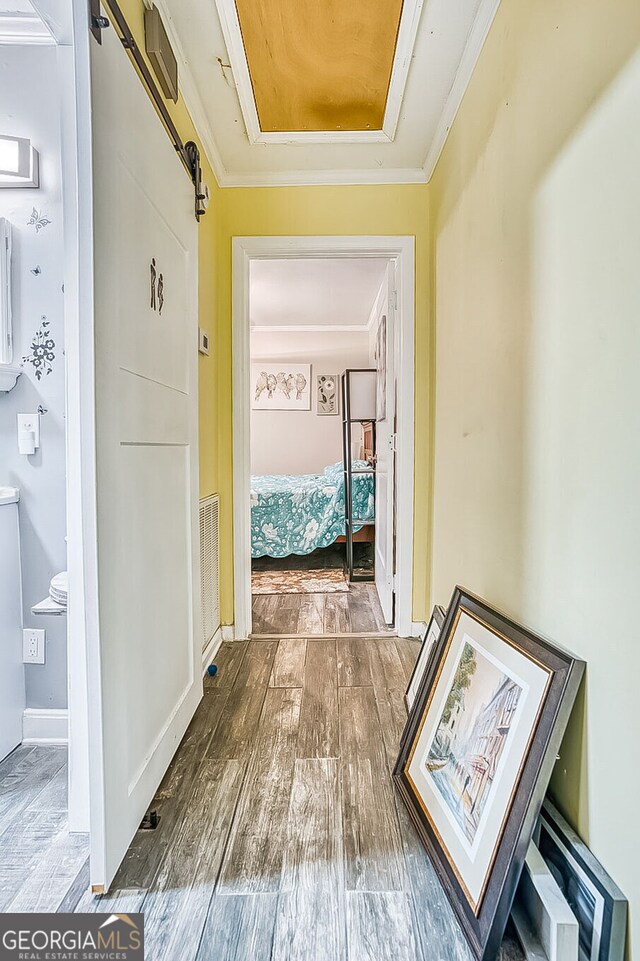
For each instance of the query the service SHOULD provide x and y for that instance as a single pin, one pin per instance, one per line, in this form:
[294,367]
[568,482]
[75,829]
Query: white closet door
[147,458]
[385,451]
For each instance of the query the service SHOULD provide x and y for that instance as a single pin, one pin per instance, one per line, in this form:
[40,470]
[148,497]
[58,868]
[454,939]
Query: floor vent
[209,567]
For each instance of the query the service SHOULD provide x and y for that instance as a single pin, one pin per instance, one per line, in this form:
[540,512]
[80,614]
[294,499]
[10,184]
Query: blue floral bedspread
[296,514]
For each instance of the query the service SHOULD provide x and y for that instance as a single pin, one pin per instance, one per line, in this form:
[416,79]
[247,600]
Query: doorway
[272,329]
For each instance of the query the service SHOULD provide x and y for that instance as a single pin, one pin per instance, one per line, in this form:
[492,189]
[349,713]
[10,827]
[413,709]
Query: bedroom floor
[357,611]
[354,611]
[325,557]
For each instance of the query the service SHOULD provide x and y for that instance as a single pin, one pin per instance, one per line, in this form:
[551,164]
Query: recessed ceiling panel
[320,65]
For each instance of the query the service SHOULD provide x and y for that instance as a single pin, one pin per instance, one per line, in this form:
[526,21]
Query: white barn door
[145,290]
[385,450]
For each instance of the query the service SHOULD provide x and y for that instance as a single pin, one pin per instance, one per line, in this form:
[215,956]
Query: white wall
[29,108]
[302,442]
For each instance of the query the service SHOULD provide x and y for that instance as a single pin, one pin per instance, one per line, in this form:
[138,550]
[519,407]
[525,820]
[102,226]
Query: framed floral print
[477,756]
[427,647]
[327,393]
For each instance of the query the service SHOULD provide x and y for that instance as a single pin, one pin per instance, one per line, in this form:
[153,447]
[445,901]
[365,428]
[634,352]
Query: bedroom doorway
[306,310]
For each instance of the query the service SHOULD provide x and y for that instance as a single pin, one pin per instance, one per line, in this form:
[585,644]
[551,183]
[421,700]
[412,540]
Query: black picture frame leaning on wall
[477,754]
[427,648]
[595,899]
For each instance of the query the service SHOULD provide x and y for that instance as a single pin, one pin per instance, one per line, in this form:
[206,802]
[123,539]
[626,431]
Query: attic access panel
[320,66]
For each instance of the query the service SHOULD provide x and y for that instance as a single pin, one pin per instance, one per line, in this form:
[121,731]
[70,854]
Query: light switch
[28,433]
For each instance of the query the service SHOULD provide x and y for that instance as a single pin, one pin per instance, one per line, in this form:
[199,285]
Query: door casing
[400,250]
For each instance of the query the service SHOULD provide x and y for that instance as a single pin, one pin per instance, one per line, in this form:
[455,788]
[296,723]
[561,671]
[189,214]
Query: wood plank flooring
[39,859]
[356,611]
[281,837]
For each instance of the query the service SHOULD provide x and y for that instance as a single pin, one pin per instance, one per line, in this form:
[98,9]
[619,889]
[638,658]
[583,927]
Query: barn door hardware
[200,187]
[189,154]
[97,23]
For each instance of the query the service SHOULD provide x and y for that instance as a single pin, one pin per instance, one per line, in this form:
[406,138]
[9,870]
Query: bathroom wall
[29,108]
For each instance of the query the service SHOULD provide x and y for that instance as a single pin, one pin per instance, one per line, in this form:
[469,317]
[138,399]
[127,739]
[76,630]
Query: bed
[297,514]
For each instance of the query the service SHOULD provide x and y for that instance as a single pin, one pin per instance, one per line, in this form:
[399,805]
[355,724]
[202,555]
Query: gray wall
[29,108]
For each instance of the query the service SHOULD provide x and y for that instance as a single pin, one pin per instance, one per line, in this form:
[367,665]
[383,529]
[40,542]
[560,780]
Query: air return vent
[209,567]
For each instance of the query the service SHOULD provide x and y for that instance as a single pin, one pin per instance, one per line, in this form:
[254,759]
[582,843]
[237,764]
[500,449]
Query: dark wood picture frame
[484,927]
[438,615]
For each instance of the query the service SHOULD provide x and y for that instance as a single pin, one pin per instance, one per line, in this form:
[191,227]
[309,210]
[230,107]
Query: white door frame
[244,250]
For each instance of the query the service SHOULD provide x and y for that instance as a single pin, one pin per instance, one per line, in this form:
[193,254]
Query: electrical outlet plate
[33,645]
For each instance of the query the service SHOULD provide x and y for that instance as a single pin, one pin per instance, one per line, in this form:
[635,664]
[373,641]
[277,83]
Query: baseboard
[211,650]
[228,632]
[418,628]
[45,726]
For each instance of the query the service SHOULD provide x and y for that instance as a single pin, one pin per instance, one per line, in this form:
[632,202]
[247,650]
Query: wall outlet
[33,646]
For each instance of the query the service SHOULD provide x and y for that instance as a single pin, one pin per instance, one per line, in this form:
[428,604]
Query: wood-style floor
[39,859]
[356,611]
[280,837]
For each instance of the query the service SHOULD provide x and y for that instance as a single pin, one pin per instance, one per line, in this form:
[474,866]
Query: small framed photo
[426,650]
[477,755]
[597,902]
[327,394]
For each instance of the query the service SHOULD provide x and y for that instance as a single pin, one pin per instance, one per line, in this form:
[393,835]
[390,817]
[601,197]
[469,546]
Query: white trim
[418,628]
[77,197]
[405,42]
[312,328]
[473,48]
[45,726]
[24,28]
[211,650]
[311,178]
[245,249]
[229,632]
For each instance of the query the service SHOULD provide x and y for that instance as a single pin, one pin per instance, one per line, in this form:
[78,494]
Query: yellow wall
[400,210]
[207,235]
[534,207]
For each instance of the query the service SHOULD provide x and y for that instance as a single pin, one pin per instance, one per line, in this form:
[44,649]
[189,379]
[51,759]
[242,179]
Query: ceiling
[327,294]
[437,43]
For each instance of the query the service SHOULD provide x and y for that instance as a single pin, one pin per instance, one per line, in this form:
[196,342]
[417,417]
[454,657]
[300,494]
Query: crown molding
[311,178]
[309,328]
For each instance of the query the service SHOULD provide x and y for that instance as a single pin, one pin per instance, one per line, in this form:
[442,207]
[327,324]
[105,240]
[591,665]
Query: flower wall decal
[37,220]
[42,352]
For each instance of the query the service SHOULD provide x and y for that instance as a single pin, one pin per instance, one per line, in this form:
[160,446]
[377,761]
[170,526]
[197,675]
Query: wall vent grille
[209,567]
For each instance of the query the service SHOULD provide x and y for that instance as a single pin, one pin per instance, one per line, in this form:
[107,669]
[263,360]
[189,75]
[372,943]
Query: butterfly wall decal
[37,220]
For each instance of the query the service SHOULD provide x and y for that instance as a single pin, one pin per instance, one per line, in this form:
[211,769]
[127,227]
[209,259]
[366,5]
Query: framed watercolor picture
[280,386]
[426,649]
[327,393]
[477,754]
[597,902]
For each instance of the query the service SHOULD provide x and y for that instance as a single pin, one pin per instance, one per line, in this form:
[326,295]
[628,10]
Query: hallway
[279,803]
[280,834]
